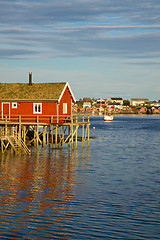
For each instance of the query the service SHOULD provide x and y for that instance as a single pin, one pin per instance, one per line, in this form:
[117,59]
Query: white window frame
[14,104]
[37,105]
[65,108]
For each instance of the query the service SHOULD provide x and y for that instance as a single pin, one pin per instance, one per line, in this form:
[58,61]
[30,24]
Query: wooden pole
[56,137]
[34,137]
[37,132]
[19,131]
[69,133]
[16,129]
[44,136]
[51,119]
[48,135]
[24,134]
[88,131]
[52,135]
[5,125]
[72,132]
[83,133]
[76,133]
[2,145]
[63,136]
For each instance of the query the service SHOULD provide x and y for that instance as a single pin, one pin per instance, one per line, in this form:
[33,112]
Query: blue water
[109,191]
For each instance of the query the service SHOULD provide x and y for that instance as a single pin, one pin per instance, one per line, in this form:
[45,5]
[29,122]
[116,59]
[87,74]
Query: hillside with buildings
[117,106]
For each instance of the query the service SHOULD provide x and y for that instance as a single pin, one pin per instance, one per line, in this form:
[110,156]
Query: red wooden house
[43,102]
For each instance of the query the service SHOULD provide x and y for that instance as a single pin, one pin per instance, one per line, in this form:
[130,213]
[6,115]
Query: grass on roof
[37,91]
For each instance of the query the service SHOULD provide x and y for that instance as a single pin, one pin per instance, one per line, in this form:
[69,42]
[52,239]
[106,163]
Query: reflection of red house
[32,100]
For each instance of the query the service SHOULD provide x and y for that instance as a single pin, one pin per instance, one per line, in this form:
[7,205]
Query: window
[14,105]
[64,108]
[37,107]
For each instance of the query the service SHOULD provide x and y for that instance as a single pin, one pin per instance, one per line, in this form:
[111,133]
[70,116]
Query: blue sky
[103,48]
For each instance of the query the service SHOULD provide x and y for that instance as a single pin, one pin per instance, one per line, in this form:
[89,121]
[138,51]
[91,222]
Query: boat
[108,118]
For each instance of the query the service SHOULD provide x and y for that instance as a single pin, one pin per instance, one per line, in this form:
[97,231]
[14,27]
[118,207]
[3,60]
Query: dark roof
[114,103]
[116,98]
[37,91]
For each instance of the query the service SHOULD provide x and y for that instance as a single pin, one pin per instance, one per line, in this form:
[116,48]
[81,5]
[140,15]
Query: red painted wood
[6,109]
[25,109]
[66,98]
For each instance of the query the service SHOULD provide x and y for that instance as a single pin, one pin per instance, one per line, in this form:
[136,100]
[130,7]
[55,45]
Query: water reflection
[37,192]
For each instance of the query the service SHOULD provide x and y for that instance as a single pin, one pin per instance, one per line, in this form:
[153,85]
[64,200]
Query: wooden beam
[56,136]
[44,136]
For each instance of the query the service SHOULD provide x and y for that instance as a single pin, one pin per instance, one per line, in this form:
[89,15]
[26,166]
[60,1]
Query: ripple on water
[109,191]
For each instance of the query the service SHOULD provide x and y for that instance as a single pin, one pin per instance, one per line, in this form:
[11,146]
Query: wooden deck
[45,130]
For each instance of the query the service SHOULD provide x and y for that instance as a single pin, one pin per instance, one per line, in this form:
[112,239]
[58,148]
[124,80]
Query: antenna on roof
[30,79]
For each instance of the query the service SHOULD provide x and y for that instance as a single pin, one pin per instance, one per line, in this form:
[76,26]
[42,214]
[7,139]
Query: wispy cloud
[49,29]
[37,12]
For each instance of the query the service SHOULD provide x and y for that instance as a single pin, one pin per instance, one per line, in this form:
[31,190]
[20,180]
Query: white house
[87,105]
[138,101]
[116,100]
[101,101]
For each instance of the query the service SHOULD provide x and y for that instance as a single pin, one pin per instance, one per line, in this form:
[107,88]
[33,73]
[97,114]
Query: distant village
[116,106]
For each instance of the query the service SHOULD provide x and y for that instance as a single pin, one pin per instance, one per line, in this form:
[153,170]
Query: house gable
[71,93]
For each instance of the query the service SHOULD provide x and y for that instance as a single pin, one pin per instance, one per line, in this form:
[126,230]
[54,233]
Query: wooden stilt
[52,134]
[5,125]
[44,136]
[83,133]
[48,130]
[34,136]
[24,133]
[2,145]
[72,132]
[84,138]
[19,130]
[88,131]
[37,135]
[56,136]
[37,131]
[62,135]
[69,134]
[16,129]
[76,133]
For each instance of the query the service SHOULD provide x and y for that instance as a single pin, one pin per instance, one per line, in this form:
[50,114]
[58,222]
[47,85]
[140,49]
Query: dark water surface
[109,191]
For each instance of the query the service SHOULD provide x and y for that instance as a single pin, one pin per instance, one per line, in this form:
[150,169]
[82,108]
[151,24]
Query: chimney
[30,79]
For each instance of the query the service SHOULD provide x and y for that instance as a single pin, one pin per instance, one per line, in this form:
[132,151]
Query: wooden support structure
[9,137]
[59,134]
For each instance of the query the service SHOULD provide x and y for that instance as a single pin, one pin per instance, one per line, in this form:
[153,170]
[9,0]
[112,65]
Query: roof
[139,99]
[37,91]
[86,100]
[114,103]
[116,99]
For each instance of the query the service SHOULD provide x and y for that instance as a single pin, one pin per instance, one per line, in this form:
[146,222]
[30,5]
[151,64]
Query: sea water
[110,190]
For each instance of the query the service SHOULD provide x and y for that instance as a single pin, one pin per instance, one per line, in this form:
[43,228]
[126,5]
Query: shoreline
[114,113]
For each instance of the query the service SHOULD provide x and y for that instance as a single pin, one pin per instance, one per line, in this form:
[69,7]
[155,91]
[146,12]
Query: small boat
[108,118]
